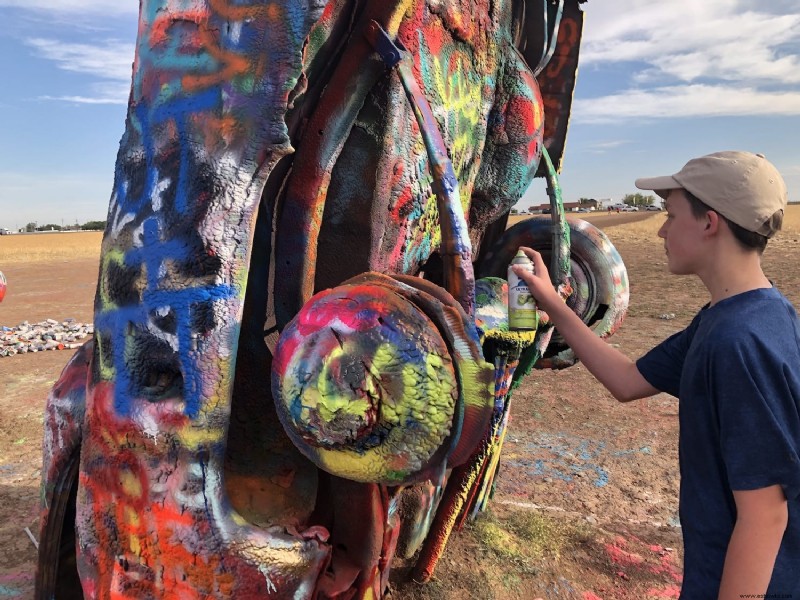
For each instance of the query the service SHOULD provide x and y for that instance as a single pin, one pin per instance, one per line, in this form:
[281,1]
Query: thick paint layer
[269,154]
[367,384]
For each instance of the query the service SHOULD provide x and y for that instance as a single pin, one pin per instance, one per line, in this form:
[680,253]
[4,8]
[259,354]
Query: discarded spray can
[2,286]
[521,303]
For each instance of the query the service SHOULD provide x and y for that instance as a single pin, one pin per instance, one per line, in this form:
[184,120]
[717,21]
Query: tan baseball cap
[745,188]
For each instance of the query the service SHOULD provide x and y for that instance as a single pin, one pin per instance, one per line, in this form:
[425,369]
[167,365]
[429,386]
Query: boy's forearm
[611,367]
[749,562]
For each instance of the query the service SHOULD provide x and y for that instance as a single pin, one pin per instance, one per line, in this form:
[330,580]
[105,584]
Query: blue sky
[659,82]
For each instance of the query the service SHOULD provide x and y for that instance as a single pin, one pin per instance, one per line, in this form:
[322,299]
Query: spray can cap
[520,258]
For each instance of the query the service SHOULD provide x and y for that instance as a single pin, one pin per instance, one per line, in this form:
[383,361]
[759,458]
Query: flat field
[49,247]
[586,501]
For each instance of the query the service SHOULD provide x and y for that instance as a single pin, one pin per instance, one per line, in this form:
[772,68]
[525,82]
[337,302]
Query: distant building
[568,206]
[604,203]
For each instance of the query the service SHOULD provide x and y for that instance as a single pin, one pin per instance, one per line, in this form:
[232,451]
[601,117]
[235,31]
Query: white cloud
[75,6]
[689,40]
[686,101]
[110,62]
[690,58]
[110,59]
[86,99]
[603,147]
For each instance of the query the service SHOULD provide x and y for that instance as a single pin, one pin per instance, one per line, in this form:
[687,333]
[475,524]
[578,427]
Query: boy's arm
[612,368]
[761,519]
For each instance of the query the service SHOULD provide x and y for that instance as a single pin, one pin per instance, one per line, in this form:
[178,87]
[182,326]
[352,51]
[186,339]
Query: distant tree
[514,211]
[585,201]
[94,226]
[30,227]
[638,199]
[49,227]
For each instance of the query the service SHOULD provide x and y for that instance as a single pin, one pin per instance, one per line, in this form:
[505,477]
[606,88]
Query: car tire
[598,277]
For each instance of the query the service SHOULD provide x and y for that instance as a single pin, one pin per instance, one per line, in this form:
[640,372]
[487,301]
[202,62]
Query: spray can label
[521,304]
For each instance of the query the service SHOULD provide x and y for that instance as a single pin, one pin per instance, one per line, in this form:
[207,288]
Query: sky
[659,82]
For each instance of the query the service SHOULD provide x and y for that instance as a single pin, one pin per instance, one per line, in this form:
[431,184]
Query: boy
[735,370]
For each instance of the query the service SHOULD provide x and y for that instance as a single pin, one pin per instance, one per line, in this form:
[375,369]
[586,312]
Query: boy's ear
[712,222]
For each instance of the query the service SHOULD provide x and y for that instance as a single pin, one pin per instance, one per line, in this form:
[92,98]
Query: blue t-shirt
[736,372]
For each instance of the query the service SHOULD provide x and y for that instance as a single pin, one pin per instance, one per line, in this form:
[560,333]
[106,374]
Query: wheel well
[57,573]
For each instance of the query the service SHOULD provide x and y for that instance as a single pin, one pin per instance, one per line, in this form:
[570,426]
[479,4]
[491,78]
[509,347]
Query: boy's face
[683,235]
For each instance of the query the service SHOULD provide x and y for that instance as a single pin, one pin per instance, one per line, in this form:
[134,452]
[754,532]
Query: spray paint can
[521,304]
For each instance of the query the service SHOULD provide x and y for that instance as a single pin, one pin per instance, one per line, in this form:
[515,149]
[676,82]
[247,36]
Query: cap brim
[660,185]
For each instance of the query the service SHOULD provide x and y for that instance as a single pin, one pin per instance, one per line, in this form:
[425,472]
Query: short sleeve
[662,366]
[759,425]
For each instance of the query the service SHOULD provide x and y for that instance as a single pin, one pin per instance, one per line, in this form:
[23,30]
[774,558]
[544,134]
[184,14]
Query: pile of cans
[47,335]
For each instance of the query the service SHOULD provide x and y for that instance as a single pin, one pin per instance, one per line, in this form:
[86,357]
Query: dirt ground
[586,501]
[36,291]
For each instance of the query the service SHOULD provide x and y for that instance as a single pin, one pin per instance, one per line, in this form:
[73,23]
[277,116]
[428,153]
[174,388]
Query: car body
[653,207]
[264,143]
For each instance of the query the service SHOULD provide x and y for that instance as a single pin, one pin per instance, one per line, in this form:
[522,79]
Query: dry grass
[648,228]
[49,247]
[505,553]
[524,536]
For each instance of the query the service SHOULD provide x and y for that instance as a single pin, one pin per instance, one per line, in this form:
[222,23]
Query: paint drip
[521,303]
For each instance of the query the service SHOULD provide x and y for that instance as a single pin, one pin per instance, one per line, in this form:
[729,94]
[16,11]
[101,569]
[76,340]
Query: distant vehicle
[5,231]
[620,207]
[583,210]
[652,207]
[545,211]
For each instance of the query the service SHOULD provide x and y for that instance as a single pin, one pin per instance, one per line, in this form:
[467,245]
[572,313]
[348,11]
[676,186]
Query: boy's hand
[539,282]
[614,369]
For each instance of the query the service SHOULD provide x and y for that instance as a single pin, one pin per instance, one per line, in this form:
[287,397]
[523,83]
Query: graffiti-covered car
[295,378]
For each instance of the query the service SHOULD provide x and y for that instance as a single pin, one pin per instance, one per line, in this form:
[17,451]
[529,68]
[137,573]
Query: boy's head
[744,188]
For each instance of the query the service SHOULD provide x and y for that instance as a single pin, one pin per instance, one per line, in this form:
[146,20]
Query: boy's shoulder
[767,302]
[763,317]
